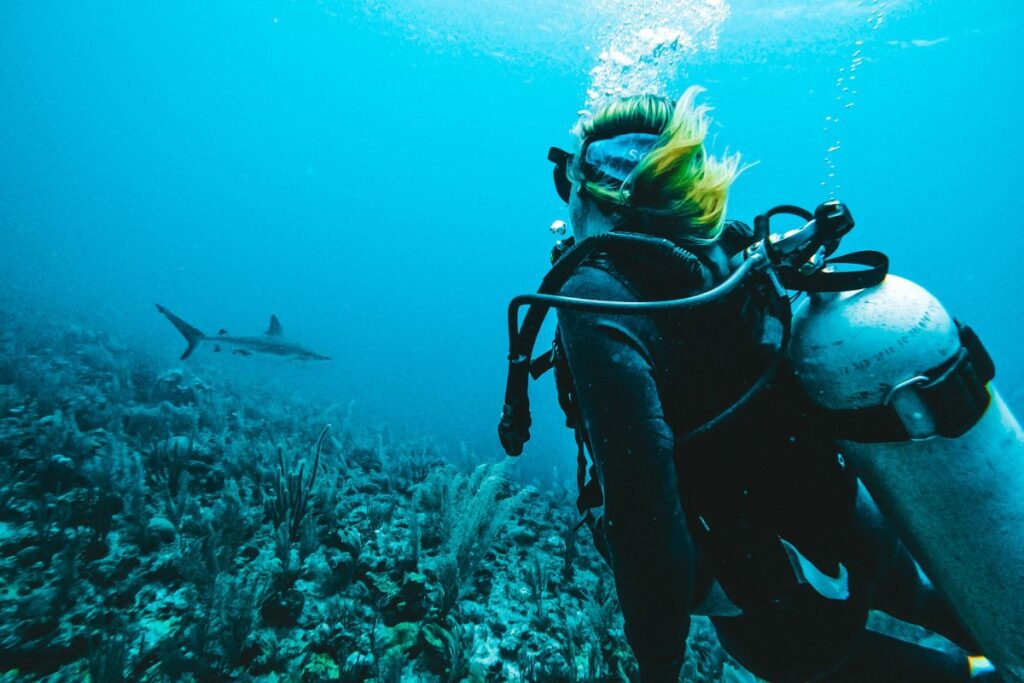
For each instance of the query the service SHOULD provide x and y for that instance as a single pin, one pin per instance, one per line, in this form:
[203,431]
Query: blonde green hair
[677,182]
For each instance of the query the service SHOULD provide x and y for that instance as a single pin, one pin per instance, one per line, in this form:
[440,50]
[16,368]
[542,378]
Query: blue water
[374,174]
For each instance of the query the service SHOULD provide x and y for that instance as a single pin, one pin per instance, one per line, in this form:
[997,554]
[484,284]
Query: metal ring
[919,379]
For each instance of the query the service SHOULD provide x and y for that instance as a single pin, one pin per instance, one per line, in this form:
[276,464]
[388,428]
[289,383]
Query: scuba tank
[906,388]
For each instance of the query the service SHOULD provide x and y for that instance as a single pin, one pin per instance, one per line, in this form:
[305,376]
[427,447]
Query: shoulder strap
[589,493]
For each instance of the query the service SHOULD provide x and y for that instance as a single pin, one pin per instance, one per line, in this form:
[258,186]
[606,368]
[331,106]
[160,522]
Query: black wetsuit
[679,513]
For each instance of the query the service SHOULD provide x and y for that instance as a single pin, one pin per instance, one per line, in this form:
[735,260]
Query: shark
[272,342]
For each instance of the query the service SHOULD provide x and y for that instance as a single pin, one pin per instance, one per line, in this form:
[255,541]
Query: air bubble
[644,51]
[846,92]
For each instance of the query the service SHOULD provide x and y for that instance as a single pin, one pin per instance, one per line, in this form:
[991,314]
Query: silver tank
[958,504]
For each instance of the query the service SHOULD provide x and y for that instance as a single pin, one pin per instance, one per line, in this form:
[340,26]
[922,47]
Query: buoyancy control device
[904,387]
[769,268]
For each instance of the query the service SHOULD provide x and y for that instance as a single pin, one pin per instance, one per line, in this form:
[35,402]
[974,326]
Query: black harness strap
[876,266]
[542,363]
[589,494]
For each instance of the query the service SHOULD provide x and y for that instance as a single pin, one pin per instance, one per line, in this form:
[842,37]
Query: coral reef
[157,527]
[154,526]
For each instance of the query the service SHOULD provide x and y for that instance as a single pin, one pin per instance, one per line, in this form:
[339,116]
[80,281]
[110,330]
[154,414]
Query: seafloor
[158,527]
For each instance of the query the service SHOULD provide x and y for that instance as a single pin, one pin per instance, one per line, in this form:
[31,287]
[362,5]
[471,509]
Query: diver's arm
[652,555]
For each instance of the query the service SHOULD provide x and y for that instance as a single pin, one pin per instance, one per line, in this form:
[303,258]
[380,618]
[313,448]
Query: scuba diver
[723,491]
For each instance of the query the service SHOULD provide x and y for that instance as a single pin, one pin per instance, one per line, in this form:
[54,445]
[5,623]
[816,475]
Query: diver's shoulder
[598,278]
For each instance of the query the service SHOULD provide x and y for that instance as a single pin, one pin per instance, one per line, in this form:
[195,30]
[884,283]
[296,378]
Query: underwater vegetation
[157,527]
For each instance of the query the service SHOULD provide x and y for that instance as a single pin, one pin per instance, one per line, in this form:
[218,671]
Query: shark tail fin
[192,335]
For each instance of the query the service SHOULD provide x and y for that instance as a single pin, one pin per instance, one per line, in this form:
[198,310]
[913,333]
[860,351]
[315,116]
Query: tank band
[946,400]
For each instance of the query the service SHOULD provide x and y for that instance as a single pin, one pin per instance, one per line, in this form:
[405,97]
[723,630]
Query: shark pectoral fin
[275,327]
[831,588]
[216,348]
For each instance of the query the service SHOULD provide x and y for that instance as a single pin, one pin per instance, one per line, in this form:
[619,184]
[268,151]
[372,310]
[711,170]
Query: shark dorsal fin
[222,332]
[275,326]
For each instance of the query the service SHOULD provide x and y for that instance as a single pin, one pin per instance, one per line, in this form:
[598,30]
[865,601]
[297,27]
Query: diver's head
[642,165]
